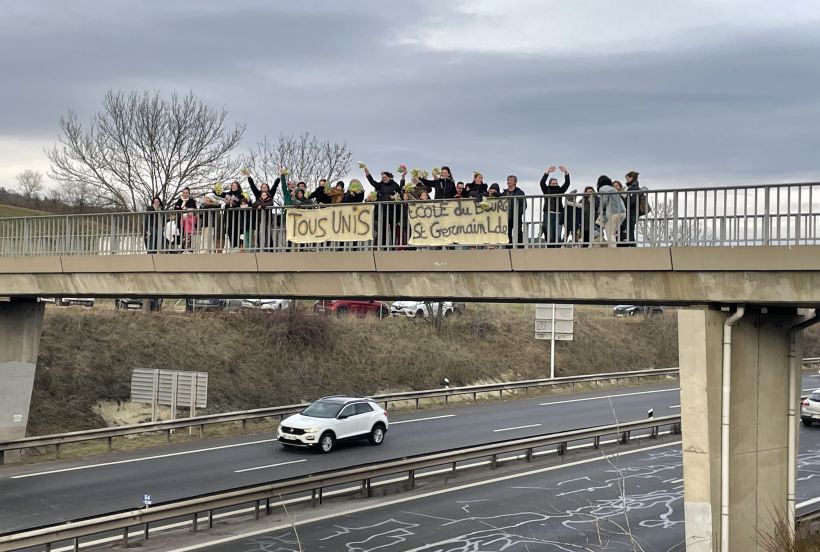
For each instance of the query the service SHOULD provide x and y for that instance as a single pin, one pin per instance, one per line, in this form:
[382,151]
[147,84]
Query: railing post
[194,523]
[494,461]
[411,480]
[596,443]
[125,537]
[766,220]
[529,455]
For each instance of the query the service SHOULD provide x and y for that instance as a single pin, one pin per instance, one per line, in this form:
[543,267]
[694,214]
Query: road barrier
[168,426]
[364,475]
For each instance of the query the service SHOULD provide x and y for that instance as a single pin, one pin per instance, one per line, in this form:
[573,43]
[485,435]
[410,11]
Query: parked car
[341,307]
[127,303]
[332,419]
[199,305]
[418,309]
[621,311]
[810,408]
[265,304]
[83,301]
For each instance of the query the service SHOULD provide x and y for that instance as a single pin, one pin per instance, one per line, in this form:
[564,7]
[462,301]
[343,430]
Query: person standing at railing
[515,214]
[184,203]
[319,195]
[553,206]
[336,193]
[153,225]
[233,199]
[442,183]
[388,193]
[213,220]
[262,218]
[612,212]
[590,211]
[354,193]
[476,189]
[460,191]
[633,207]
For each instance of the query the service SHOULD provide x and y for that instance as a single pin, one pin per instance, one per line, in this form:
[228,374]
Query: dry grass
[256,359]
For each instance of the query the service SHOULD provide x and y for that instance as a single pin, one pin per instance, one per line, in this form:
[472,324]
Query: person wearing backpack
[632,207]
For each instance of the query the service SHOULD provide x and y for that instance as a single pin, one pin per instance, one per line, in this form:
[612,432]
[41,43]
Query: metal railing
[782,214]
[314,483]
[168,426]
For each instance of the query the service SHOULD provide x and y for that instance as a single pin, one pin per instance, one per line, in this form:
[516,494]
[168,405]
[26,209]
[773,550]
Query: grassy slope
[11,211]
[258,359]
[261,359]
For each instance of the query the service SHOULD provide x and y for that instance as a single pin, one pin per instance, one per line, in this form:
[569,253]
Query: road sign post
[556,323]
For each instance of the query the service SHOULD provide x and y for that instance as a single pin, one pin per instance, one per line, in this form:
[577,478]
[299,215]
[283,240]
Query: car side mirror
[343,416]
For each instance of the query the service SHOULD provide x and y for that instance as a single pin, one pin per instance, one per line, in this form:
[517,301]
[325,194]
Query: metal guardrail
[168,426]
[781,214]
[314,483]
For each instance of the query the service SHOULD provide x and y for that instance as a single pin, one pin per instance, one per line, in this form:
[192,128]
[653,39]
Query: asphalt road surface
[48,493]
[632,502]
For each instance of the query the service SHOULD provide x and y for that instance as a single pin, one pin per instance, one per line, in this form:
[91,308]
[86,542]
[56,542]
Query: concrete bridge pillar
[758,437]
[20,324]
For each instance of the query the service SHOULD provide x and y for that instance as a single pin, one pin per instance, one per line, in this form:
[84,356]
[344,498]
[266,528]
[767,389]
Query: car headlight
[312,430]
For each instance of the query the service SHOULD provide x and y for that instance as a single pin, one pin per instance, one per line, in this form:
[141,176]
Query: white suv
[418,309]
[332,419]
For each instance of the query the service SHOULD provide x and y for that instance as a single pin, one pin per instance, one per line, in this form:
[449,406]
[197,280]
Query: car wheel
[376,437]
[341,311]
[447,314]
[419,313]
[806,421]
[326,442]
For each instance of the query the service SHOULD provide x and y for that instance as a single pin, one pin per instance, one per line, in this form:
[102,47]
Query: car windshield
[815,397]
[322,409]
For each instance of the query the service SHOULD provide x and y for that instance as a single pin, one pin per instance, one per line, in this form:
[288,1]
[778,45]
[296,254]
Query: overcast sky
[705,92]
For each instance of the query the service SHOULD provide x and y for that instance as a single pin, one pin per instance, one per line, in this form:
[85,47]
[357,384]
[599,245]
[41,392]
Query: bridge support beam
[20,324]
[758,437]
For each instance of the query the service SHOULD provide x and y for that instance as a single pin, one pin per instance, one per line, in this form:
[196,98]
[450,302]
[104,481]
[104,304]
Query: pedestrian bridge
[751,250]
[753,245]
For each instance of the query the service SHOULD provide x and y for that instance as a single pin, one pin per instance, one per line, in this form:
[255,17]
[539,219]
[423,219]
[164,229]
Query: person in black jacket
[153,225]
[388,190]
[233,199]
[476,189]
[319,195]
[354,193]
[553,206]
[444,185]
[591,209]
[632,204]
[515,214]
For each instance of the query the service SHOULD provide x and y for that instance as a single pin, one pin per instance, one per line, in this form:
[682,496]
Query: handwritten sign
[341,223]
[458,222]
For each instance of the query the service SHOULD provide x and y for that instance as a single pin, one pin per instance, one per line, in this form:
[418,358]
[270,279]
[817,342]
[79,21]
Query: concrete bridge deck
[764,275]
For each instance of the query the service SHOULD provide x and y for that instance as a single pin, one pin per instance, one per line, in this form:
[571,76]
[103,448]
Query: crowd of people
[226,217]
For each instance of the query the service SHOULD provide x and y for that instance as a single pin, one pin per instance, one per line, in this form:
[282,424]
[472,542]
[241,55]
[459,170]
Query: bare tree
[306,157]
[77,195]
[142,145]
[30,183]
[665,226]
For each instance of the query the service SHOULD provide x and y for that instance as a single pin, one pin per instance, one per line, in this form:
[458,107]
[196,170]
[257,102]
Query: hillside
[12,211]
[257,359]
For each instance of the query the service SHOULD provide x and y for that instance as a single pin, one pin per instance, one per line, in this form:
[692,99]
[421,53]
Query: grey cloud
[738,106]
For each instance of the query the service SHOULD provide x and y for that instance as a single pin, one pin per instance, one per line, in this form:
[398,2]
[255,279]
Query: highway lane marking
[295,523]
[517,427]
[675,406]
[611,396]
[270,466]
[130,460]
[423,419]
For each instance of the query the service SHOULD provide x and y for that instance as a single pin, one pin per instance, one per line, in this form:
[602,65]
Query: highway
[59,491]
[579,506]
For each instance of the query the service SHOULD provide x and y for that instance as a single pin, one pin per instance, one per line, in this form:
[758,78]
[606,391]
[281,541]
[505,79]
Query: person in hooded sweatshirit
[613,210]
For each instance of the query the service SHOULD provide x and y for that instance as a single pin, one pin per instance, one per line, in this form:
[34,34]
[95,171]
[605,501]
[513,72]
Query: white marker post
[552,345]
